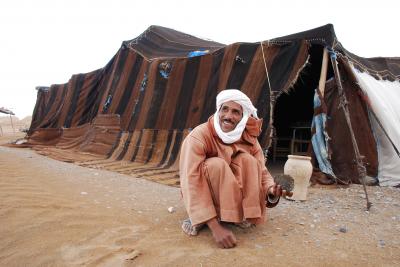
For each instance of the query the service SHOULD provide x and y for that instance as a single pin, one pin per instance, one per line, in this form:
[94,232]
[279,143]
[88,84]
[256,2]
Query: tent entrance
[293,112]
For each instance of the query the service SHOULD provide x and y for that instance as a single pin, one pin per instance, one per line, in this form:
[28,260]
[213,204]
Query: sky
[44,42]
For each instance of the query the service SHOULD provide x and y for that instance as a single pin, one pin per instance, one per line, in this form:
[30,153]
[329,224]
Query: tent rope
[372,112]
[272,102]
[343,103]
[265,65]
[384,131]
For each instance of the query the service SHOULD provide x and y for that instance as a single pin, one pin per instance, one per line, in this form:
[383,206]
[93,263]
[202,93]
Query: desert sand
[54,213]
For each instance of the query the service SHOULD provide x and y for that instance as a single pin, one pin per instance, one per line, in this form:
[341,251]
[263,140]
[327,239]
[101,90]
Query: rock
[171,209]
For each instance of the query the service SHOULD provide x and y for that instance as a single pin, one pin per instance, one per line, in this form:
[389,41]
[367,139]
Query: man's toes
[193,231]
[187,228]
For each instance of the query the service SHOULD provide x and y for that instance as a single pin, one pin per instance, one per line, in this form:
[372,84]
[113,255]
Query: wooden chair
[299,147]
[280,147]
[300,141]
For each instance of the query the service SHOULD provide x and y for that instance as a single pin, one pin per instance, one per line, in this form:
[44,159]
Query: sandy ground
[58,214]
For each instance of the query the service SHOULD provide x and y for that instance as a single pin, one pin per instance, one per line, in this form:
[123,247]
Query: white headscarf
[248,110]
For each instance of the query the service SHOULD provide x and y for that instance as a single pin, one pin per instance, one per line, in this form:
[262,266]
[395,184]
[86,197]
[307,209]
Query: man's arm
[272,190]
[194,186]
[196,192]
[224,237]
[266,180]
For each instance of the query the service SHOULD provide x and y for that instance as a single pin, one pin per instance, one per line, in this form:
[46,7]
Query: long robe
[228,181]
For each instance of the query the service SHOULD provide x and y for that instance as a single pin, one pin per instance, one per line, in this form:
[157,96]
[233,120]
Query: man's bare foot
[224,237]
[190,229]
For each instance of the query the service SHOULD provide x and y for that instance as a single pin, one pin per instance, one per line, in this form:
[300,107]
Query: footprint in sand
[112,247]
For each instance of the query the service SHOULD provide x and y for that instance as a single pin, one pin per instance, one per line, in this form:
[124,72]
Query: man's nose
[228,115]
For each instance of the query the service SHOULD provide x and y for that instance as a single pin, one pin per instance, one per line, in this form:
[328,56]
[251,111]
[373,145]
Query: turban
[248,110]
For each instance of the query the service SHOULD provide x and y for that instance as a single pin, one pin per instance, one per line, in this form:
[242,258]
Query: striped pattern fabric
[132,115]
[131,86]
[156,112]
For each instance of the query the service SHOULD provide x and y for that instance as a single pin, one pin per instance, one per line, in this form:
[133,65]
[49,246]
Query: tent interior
[293,111]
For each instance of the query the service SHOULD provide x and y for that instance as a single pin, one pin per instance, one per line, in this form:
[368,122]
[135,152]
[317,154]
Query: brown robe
[228,181]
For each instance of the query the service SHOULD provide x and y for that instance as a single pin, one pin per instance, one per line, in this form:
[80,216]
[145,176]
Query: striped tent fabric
[140,116]
[132,115]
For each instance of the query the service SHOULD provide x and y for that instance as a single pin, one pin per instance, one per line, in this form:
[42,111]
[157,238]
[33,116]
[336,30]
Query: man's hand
[276,190]
[224,237]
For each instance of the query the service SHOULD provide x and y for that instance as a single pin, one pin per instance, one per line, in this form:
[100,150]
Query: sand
[59,214]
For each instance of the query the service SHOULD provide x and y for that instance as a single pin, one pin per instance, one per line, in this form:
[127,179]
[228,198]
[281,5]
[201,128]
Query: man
[222,170]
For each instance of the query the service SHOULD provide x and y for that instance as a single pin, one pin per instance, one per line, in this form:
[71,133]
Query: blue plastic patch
[198,53]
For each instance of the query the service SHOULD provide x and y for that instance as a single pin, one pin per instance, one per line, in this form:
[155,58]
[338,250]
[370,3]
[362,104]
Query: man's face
[230,115]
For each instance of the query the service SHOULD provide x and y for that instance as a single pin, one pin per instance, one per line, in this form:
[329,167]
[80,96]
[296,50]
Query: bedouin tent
[132,115]
[9,112]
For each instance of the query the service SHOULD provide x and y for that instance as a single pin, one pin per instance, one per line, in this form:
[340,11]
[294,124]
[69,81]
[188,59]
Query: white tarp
[384,98]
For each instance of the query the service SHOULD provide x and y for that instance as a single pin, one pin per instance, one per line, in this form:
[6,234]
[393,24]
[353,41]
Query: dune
[13,126]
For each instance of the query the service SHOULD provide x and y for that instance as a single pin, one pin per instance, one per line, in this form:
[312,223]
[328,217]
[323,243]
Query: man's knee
[215,163]
[244,158]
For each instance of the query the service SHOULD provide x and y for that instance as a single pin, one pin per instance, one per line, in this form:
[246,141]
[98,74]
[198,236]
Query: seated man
[222,170]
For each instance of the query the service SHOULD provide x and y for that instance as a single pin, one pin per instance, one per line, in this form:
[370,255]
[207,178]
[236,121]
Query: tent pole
[324,70]
[12,125]
[344,105]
